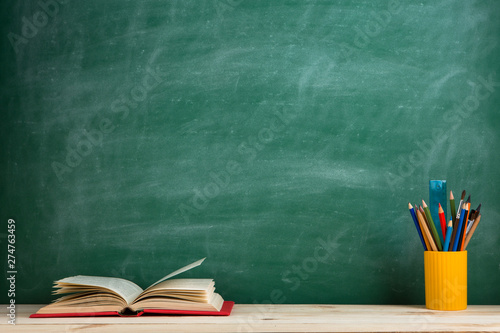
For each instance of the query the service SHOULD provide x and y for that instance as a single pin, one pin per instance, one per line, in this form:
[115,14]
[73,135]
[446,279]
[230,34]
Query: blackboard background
[282,140]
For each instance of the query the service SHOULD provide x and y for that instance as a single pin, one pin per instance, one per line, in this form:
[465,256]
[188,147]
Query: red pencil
[442,219]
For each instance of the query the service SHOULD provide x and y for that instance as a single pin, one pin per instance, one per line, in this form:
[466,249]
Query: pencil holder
[445,280]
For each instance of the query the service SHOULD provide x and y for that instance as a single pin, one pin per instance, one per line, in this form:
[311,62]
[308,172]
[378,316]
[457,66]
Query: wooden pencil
[449,230]
[424,218]
[432,227]
[426,231]
[423,213]
[417,225]
[426,239]
[442,220]
[471,232]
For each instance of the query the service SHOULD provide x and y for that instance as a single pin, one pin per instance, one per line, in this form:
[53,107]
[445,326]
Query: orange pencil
[426,222]
[427,232]
[432,227]
[424,236]
[422,212]
[442,219]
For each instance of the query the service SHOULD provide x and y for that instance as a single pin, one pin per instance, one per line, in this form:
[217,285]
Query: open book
[96,295]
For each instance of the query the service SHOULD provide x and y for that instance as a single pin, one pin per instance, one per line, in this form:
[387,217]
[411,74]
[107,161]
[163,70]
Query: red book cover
[226,309]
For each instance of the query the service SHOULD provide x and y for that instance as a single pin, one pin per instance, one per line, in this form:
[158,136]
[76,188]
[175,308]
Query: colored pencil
[449,230]
[432,226]
[469,235]
[442,219]
[426,239]
[457,232]
[460,223]
[424,220]
[422,224]
[432,245]
[427,223]
[412,212]
[423,213]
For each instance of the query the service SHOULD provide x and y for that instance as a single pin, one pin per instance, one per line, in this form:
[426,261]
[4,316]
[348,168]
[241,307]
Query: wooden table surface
[276,318]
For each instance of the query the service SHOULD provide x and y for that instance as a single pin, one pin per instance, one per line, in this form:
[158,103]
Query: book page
[124,288]
[179,271]
[185,284]
[197,290]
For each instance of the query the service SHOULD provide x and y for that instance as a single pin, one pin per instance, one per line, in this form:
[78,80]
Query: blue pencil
[460,223]
[412,212]
[449,231]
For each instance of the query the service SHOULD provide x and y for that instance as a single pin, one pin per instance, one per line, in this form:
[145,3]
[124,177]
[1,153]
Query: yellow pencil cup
[445,280]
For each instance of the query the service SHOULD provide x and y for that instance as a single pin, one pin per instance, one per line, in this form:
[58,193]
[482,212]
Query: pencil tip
[410,206]
[468,199]
[451,196]
[423,203]
[440,209]
[463,195]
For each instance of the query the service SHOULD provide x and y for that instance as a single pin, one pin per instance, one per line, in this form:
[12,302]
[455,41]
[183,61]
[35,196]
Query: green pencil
[432,226]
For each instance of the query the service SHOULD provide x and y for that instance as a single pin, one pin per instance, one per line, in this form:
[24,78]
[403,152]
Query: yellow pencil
[432,227]
[424,236]
[424,219]
[427,232]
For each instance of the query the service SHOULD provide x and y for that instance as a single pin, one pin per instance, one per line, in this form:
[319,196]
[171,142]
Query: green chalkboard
[280,139]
